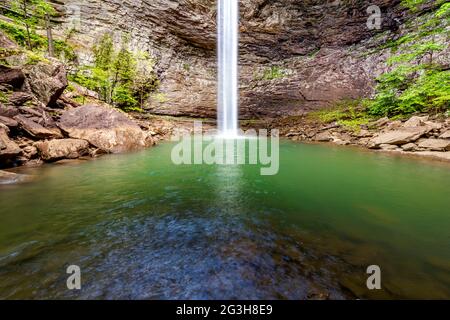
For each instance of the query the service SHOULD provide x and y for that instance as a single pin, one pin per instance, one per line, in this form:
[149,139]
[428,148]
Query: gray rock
[8,111]
[47,81]
[55,150]
[409,147]
[36,130]
[11,76]
[323,137]
[105,128]
[10,123]
[445,135]
[435,144]
[416,121]
[389,147]
[30,152]
[399,137]
[380,122]
[19,98]
[8,148]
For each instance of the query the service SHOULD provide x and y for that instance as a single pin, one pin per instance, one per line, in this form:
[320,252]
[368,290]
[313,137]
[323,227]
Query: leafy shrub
[120,77]
[416,83]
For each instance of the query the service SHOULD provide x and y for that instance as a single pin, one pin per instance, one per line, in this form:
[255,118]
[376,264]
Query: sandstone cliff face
[319,47]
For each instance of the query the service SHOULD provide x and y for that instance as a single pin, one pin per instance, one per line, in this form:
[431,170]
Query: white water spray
[228,20]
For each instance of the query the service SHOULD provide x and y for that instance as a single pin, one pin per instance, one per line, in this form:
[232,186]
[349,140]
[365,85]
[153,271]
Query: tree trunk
[27,27]
[51,49]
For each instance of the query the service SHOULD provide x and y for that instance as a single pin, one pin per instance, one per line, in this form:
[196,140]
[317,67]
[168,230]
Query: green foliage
[274,72]
[31,13]
[65,51]
[4,97]
[354,124]
[121,77]
[104,52]
[349,114]
[39,43]
[416,82]
[123,96]
[34,58]
[19,35]
[413,5]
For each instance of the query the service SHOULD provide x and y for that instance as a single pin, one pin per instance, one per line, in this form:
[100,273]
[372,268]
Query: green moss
[19,35]
[274,72]
[35,57]
[4,97]
[355,124]
[160,97]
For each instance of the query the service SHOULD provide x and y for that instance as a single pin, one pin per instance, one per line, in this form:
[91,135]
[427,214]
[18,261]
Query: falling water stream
[228,15]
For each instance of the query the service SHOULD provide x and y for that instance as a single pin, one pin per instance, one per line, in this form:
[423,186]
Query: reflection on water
[141,228]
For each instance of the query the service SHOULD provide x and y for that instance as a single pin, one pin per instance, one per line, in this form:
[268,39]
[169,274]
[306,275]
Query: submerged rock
[434,154]
[105,128]
[11,178]
[54,150]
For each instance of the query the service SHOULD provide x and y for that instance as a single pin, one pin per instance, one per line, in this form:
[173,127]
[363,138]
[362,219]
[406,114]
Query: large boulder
[8,148]
[47,81]
[435,144]
[11,76]
[105,128]
[400,137]
[36,130]
[11,123]
[54,150]
[323,137]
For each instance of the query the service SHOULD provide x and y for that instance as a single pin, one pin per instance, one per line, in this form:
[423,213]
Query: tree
[35,13]
[121,77]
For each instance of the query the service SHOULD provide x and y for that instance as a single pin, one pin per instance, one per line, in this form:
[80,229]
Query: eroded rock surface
[54,150]
[319,49]
[104,128]
[47,81]
[8,148]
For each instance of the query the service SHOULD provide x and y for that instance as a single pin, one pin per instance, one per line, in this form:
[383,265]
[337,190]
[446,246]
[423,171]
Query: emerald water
[140,227]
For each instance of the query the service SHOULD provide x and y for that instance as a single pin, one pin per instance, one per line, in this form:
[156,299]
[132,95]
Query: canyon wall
[295,55]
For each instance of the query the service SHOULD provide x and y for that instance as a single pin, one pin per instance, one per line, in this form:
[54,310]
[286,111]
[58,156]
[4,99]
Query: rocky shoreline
[420,135]
[39,123]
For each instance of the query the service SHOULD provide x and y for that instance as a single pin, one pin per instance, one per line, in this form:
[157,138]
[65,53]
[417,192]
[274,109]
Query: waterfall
[227,52]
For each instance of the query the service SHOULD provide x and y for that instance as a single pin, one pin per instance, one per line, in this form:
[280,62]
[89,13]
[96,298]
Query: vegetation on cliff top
[23,20]
[417,82]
